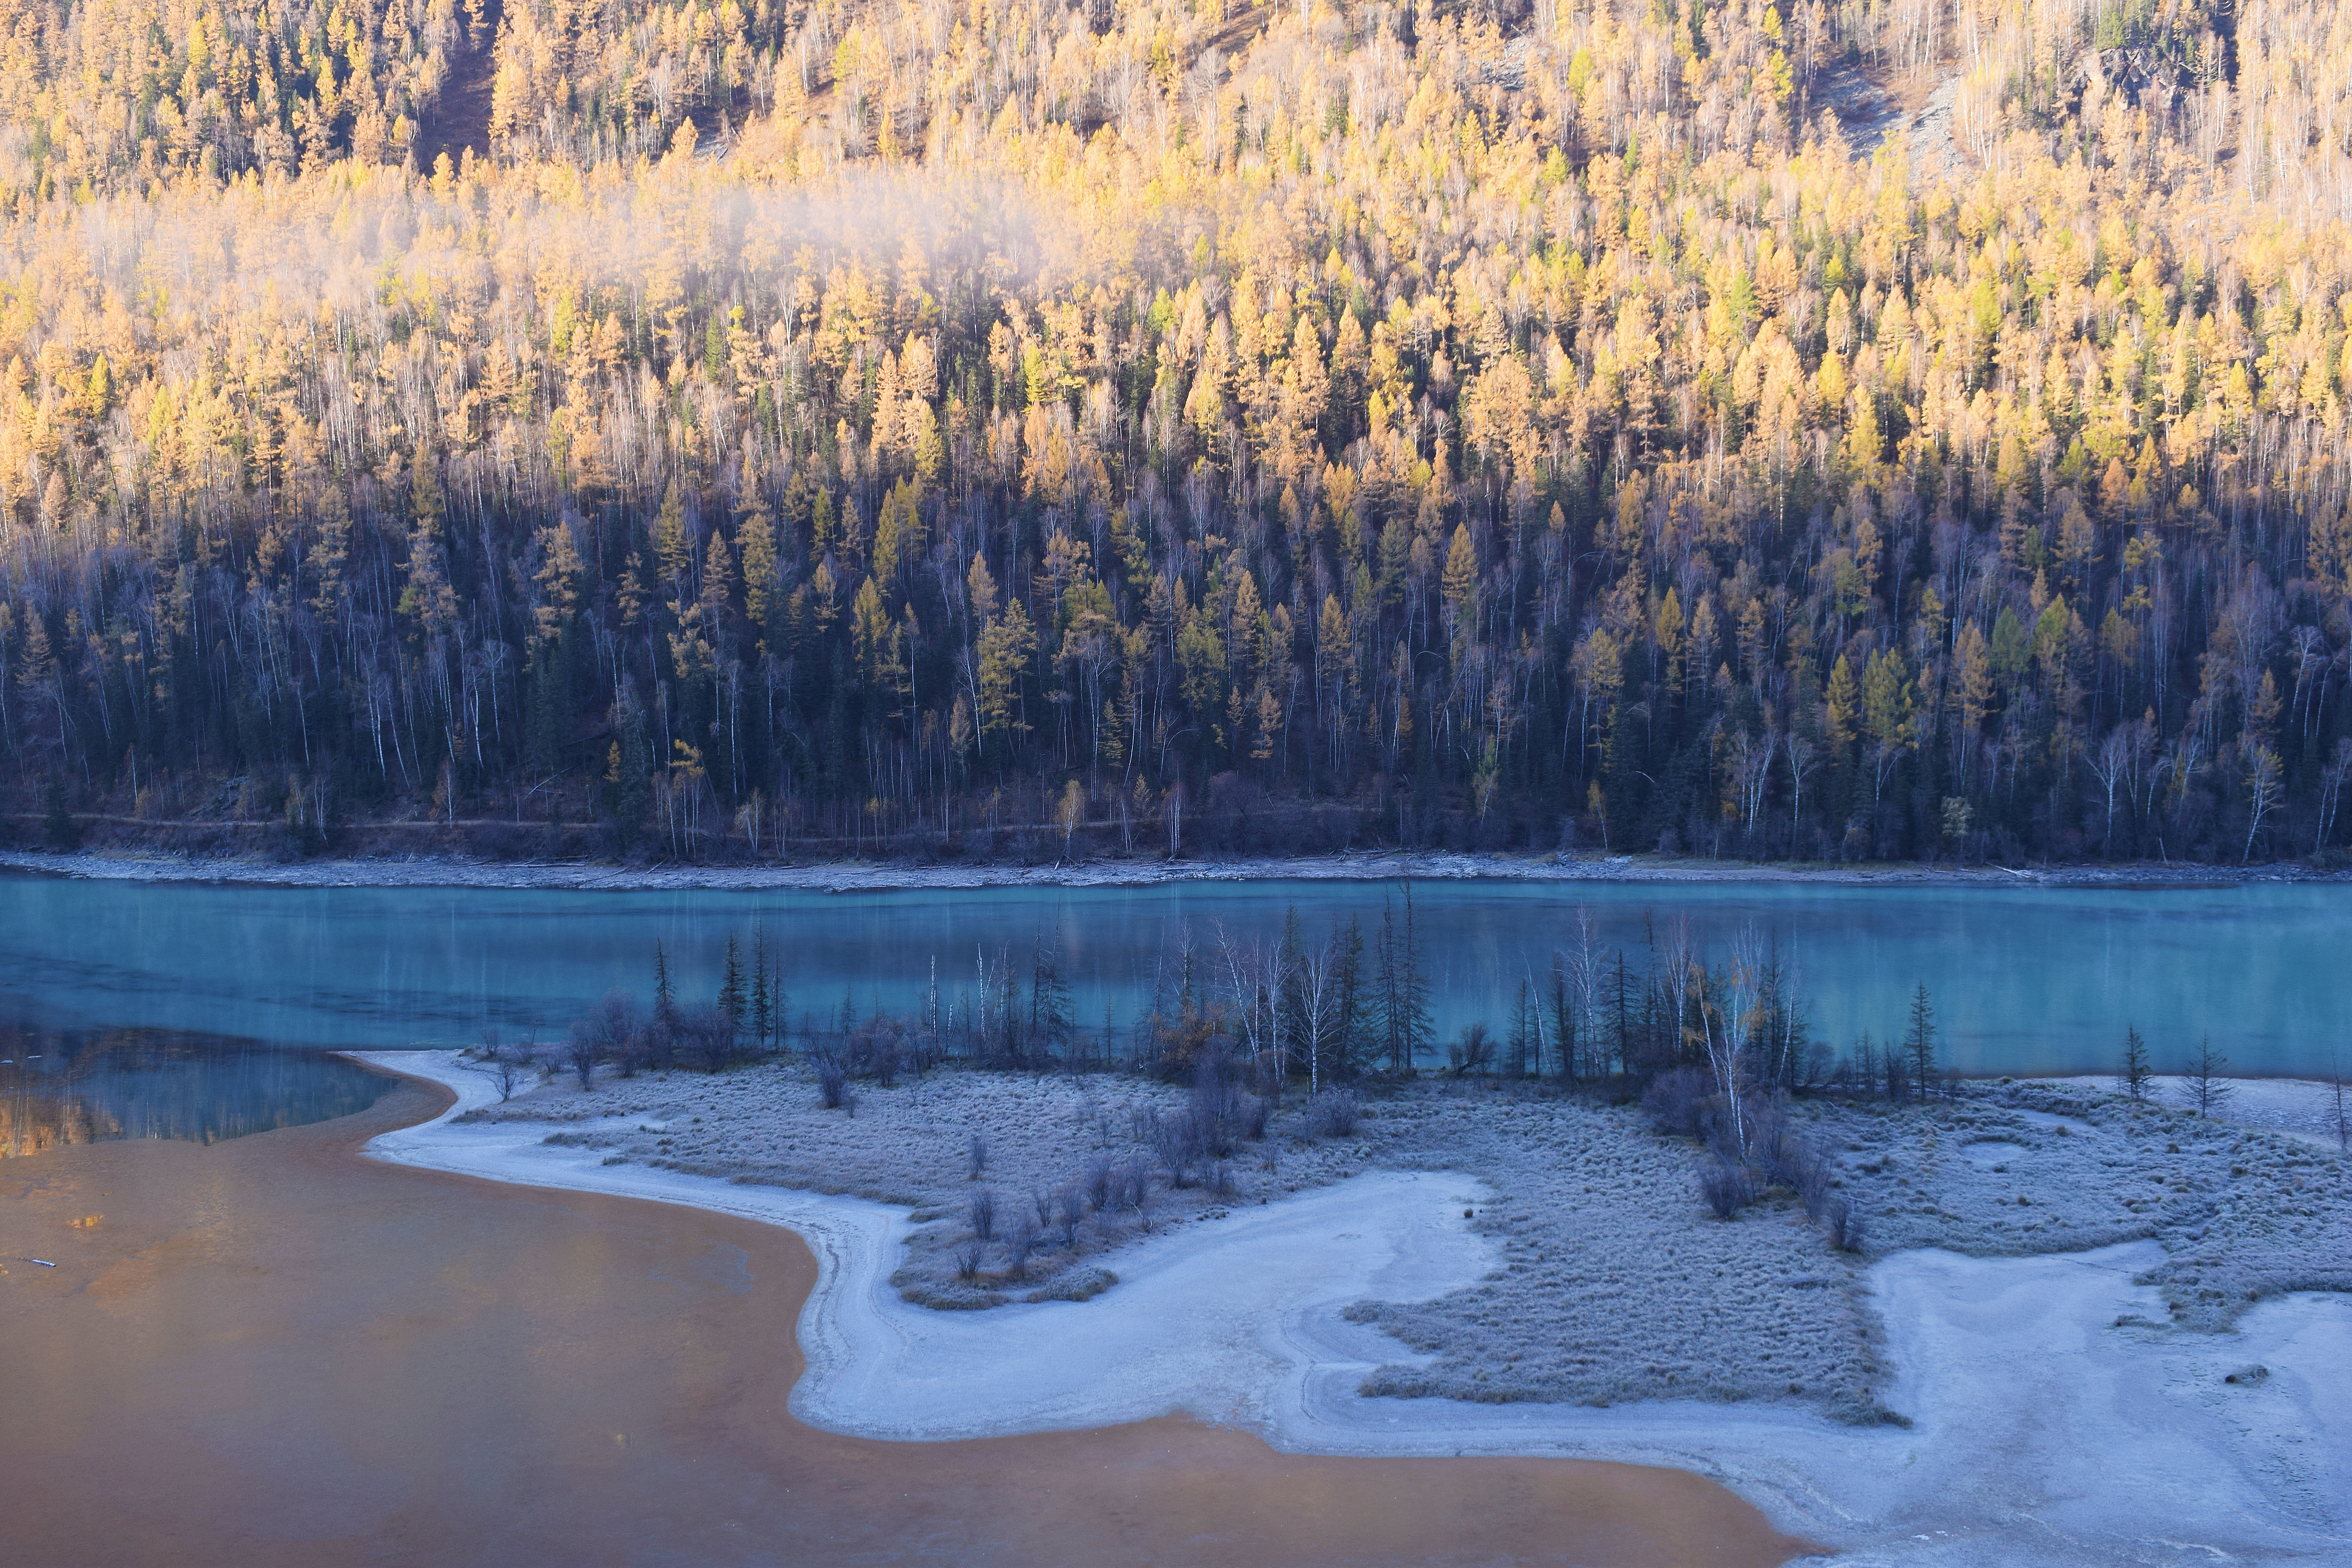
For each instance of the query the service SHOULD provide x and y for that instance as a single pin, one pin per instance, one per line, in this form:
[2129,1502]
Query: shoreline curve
[2021,1379]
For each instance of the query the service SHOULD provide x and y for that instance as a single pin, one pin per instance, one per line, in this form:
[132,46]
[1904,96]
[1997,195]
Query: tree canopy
[1907,430]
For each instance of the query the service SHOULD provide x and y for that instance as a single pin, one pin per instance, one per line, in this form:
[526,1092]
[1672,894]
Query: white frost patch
[1993,1151]
[2300,1107]
[1222,1318]
[2041,1393]
[2054,1421]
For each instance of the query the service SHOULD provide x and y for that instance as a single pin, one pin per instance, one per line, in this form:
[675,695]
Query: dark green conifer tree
[730,984]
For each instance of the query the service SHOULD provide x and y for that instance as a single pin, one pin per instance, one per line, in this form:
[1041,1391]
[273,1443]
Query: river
[170,1007]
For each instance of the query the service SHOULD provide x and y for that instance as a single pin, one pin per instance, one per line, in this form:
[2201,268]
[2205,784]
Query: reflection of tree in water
[64,1086]
[31,1125]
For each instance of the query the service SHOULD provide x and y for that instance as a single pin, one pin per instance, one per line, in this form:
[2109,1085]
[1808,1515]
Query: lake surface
[2025,980]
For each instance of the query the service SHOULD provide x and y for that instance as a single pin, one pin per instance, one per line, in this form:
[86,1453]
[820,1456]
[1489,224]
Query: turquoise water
[2025,980]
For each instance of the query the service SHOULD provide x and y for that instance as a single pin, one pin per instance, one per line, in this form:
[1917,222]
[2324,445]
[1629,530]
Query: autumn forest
[1877,429]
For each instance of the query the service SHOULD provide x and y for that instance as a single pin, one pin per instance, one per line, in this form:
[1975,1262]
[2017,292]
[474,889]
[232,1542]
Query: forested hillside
[1883,430]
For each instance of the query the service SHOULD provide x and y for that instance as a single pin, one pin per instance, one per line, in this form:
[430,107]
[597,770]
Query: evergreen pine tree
[762,1015]
[1413,988]
[1049,1000]
[1525,1031]
[1563,1019]
[1351,1009]
[1621,1014]
[664,1002]
[730,984]
[1919,1041]
[59,830]
[1386,989]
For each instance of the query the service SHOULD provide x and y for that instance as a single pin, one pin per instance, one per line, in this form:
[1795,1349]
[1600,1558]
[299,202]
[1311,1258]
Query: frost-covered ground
[1617,1285]
[1614,1283]
[1593,1212]
[2241,1213]
[911,1145]
[2050,1410]
[858,876]
[2297,1106]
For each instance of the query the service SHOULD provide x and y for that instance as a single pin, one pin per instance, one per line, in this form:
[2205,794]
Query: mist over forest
[1872,431]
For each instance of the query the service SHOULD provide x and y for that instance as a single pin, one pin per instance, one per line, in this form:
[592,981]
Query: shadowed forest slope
[1020,429]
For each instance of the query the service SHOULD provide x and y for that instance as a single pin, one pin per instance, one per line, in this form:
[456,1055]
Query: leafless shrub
[632,1050]
[1720,1129]
[1070,1206]
[877,1048]
[1334,1114]
[618,1031]
[507,1067]
[1139,1192]
[984,1214]
[967,1257]
[1813,1190]
[978,1151]
[832,1082]
[1845,1226]
[708,1038]
[1792,1160]
[1672,1102]
[1727,1187]
[582,1049]
[1475,1052]
[1020,1246]
[1216,1105]
[1220,1180]
[1256,1111]
[1100,1182]
[1175,1138]
[1043,1201]
[1134,1184]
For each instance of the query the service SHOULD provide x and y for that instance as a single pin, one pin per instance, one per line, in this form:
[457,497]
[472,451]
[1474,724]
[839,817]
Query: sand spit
[858,877]
[1200,1321]
[2053,1418]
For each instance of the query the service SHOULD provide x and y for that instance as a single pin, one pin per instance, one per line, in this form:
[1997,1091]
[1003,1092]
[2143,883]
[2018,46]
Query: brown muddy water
[273,1351]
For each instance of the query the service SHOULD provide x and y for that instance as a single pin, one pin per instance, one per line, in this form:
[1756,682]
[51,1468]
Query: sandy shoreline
[272,1352]
[442,871]
[2051,1419]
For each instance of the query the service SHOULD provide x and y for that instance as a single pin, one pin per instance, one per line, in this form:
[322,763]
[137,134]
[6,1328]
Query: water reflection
[2025,979]
[60,1087]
